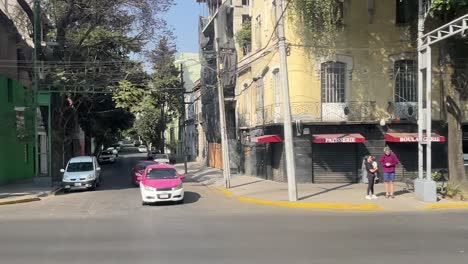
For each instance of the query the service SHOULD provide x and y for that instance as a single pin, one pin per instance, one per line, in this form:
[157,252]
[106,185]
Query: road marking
[303,205]
[446,206]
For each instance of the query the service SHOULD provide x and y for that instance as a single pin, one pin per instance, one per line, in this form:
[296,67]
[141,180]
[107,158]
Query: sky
[183,17]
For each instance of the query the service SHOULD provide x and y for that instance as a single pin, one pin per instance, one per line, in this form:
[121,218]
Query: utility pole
[222,112]
[36,86]
[288,137]
[184,115]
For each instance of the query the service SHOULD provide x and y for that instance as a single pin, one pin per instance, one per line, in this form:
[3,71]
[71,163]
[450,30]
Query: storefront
[335,157]
[405,146]
[263,156]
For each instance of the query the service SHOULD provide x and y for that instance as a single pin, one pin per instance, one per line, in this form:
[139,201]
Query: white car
[81,173]
[161,158]
[107,156]
[465,159]
[114,151]
[142,149]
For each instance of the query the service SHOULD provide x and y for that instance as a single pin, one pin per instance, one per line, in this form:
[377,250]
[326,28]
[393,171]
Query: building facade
[190,68]
[17,144]
[218,57]
[349,99]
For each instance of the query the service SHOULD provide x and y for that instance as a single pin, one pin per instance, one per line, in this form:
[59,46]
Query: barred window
[277,86]
[259,94]
[405,74]
[333,82]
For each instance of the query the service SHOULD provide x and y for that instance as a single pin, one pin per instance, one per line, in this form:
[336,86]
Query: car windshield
[80,166]
[106,153]
[166,173]
[161,156]
[143,165]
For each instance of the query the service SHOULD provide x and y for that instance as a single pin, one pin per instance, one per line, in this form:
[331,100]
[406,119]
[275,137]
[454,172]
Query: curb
[446,206]
[55,191]
[21,200]
[303,205]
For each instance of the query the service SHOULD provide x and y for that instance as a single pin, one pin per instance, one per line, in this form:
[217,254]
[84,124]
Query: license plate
[77,183]
[164,196]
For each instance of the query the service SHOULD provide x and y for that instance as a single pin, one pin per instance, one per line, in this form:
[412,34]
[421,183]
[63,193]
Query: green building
[16,132]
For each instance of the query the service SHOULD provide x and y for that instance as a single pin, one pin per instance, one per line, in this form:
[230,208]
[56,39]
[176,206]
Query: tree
[167,89]
[148,126]
[95,39]
[454,71]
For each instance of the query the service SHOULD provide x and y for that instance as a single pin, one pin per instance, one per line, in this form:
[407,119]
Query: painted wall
[16,156]
[368,47]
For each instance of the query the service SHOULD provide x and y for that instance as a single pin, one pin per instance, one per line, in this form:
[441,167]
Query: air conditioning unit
[406,110]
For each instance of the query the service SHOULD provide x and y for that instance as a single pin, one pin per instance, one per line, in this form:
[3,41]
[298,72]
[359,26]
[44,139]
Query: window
[406,11]
[405,74]
[277,86]
[80,166]
[245,2]
[161,173]
[333,82]
[258,31]
[10,90]
[245,18]
[259,94]
[339,10]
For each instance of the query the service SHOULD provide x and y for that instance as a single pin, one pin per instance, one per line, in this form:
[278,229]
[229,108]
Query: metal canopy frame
[425,41]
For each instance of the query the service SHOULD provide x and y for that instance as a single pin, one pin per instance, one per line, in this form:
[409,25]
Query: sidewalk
[25,191]
[316,196]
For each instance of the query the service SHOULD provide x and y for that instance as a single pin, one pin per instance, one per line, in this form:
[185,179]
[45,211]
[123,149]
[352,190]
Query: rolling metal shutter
[334,163]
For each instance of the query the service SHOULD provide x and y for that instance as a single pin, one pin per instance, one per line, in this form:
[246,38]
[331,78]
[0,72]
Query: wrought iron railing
[244,120]
[361,110]
[352,111]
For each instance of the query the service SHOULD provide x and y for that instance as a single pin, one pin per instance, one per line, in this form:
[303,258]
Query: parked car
[117,146]
[107,156]
[139,169]
[127,143]
[161,158]
[142,149]
[161,183]
[151,154]
[81,173]
[114,151]
[172,159]
[465,161]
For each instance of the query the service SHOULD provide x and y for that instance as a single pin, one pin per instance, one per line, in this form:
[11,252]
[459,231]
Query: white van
[81,173]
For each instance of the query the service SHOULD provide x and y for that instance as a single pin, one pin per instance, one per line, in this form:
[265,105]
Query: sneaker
[368,197]
[374,196]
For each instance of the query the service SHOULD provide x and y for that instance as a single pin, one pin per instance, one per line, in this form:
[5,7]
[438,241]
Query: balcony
[244,120]
[353,111]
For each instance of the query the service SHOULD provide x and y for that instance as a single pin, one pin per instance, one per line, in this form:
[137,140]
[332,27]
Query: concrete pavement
[26,191]
[350,197]
[110,226]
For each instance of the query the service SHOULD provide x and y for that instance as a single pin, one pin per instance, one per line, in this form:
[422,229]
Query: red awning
[267,139]
[411,137]
[338,138]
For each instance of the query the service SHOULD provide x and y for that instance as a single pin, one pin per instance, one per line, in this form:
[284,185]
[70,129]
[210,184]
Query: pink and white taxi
[161,183]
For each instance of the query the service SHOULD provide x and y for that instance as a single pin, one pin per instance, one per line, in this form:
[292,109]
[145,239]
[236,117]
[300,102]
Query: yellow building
[349,98]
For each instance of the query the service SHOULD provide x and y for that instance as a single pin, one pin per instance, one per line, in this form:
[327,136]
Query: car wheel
[181,201]
[98,183]
[93,188]
[144,203]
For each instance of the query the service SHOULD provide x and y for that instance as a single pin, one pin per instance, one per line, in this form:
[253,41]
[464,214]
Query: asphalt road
[110,226]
